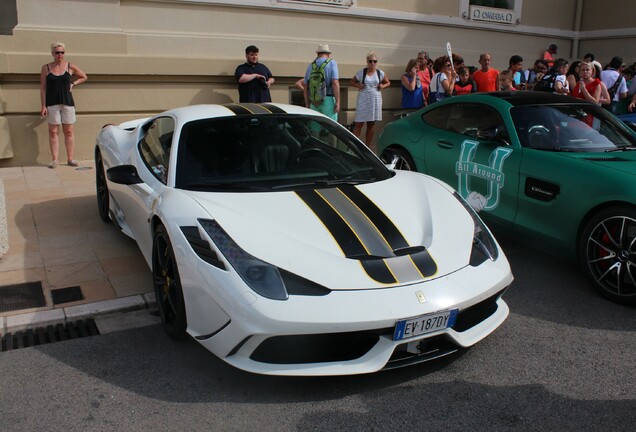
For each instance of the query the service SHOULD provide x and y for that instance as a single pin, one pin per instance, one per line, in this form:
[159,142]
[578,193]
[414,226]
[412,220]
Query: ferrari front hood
[399,231]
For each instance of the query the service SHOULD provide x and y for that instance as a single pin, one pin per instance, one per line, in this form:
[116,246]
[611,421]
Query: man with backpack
[615,83]
[322,88]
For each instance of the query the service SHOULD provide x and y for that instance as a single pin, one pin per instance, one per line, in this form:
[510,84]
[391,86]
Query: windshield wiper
[322,183]
[620,148]
[347,180]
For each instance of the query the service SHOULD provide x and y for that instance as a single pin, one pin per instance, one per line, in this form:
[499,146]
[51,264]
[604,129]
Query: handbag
[611,107]
[435,96]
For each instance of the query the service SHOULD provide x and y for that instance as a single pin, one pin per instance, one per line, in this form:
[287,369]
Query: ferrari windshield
[272,152]
[578,128]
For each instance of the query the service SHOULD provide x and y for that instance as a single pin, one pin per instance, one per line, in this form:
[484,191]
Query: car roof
[516,98]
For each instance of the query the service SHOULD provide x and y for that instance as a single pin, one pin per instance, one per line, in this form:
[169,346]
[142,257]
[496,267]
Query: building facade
[145,56]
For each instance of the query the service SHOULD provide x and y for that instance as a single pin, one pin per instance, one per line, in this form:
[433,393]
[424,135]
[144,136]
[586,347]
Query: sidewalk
[56,239]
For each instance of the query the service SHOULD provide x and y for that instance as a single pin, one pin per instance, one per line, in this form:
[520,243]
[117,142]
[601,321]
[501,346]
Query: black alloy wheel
[608,253]
[167,284]
[103,198]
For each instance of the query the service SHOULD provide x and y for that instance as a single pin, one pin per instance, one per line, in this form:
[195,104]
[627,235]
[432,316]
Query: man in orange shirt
[487,78]
[550,54]
[425,72]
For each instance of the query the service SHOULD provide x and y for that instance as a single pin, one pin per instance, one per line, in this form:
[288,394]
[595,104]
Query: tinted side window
[467,119]
[154,147]
[437,117]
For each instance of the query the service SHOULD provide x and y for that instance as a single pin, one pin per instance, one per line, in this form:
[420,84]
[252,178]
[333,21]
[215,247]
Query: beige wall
[430,7]
[553,14]
[144,56]
[604,15]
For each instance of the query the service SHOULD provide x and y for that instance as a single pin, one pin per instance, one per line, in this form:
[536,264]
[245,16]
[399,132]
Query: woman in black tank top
[57,80]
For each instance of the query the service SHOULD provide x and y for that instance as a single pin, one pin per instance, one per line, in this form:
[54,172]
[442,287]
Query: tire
[167,284]
[607,251]
[401,158]
[103,197]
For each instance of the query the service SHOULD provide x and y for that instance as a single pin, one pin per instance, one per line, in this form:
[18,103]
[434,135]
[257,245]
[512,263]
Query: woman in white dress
[370,81]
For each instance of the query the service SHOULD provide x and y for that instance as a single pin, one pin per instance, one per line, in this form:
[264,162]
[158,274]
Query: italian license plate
[424,324]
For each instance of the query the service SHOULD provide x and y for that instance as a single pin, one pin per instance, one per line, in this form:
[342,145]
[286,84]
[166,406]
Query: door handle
[445,144]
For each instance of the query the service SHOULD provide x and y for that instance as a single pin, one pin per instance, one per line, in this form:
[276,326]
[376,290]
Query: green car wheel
[399,159]
[608,251]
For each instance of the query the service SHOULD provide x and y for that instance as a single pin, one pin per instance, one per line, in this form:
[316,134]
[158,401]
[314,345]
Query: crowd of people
[424,81]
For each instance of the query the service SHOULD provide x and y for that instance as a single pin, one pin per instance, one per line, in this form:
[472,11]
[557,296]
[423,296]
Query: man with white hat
[323,98]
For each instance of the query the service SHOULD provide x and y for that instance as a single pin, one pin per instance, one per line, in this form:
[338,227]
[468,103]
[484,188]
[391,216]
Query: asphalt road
[565,360]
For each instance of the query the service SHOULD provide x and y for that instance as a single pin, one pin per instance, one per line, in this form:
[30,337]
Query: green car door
[468,145]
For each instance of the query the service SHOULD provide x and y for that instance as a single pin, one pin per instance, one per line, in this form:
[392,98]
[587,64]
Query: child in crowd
[506,81]
[465,84]
[561,85]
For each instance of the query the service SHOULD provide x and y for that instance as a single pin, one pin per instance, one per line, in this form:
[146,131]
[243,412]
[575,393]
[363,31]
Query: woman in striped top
[369,81]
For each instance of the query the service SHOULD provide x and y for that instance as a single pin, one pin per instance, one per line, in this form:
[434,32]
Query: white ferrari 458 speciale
[282,244]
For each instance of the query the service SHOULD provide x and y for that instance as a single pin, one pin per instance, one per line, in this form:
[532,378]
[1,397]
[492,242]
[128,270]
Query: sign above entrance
[496,15]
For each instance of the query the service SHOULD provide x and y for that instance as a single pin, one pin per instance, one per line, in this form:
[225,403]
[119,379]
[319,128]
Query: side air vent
[605,159]
[541,190]
[201,247]
[297,285]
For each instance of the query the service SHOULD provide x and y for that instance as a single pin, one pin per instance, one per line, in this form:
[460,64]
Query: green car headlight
[263,278]
[484,245]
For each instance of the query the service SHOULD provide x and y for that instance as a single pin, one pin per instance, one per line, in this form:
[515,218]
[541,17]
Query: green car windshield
[272,152]
[576,128]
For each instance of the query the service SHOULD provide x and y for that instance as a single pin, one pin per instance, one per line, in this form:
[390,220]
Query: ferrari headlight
[260,276]
[484,245]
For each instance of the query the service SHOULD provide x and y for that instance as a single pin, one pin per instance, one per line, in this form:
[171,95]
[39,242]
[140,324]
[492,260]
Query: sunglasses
[58,52]
[372,61]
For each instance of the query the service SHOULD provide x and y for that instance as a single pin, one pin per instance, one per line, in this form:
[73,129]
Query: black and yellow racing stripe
[252,108]
[365,233]
[273,108]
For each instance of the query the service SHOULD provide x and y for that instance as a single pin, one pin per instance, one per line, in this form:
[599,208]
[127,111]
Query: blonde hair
[57,44]
[371,54]
[588,64]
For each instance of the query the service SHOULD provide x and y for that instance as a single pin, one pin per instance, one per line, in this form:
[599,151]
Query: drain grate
[66,295]
[50,334]
[26,295]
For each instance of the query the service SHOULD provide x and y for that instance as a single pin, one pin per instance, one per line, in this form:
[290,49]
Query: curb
[26,321]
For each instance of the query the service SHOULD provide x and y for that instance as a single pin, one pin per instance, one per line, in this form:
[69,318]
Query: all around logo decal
[492,173]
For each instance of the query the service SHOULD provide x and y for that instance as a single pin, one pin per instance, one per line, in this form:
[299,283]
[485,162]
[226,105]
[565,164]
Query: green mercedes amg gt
[555,172]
